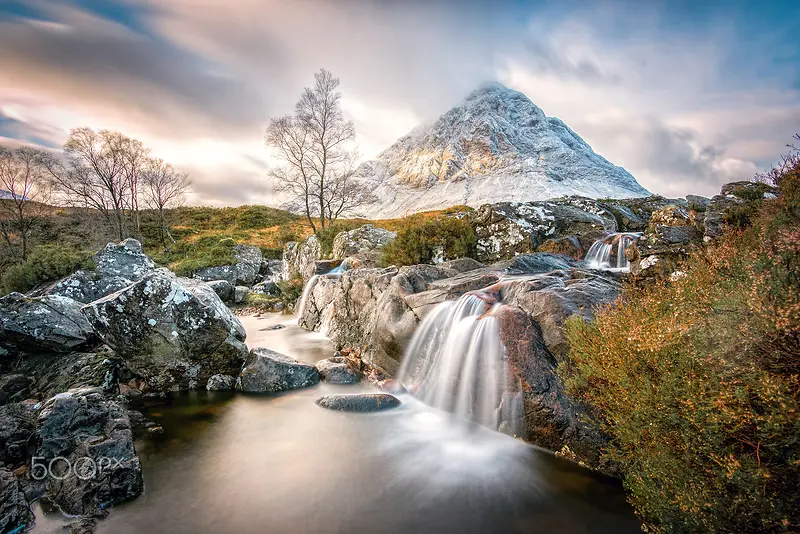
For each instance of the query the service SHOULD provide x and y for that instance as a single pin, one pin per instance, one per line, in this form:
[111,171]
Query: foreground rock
[125,260]
[223,289]
[267,371]
[15,514]
[17,434]
[94,436]
[174,332]
[221,383]
[87,286]
[364,402]
[365,243]
[50,323]
[337,370]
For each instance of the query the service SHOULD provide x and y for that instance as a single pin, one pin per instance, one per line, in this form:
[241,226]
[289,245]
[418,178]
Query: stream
[280,464]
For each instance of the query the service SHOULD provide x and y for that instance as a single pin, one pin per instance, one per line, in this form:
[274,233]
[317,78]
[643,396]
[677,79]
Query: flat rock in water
[366,402]
[336,371]
[268,371]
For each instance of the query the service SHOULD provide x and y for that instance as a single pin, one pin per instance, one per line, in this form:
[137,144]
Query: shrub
[291,289]
[423,238]
[208,251]
[696,380]
[45,263]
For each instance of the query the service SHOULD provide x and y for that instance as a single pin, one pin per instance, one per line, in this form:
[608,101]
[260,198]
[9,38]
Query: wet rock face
[15,514]
[95,437]
[87,286]
[125,259]
[300,258]
[267,371]
[365,242]
[17,434]
[173,332]
[337,371]
[51,323]
[366,402]
[507,229]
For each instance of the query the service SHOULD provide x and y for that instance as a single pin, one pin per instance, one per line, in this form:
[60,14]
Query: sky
[685,95]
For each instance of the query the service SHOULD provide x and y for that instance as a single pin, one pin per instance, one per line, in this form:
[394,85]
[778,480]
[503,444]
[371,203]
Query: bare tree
[135,160]
[94,174]
[164,187]
[27,194]
[318,169]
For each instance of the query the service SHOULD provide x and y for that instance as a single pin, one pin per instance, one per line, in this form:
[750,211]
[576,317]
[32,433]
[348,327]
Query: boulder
[268,371]
[248,263]
[49,323]
[697,203]
[15,514]
[299,258]
[87,286]
[125,259]
[174,332]
[94,437]
[735,200]
[267,288]
[566,246]
[511,228]
[17,434]
[220,272]
[537,263]
[223,289]
[362,402]
[50,374]
[337,370]
[240,294]
[633,214]
[270,270]
[365,242]
[665,243]
[221,383]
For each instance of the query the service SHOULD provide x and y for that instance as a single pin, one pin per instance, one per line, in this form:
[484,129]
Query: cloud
[676,97]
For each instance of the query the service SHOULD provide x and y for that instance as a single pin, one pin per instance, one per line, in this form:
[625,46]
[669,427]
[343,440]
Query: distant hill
[495,146]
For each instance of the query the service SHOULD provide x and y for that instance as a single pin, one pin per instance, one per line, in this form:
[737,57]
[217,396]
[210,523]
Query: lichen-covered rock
[361,402]
[633,214]
[50,374]
[248,263]
[87,286]
[94,436]
[48,323]
[336,370]
[174,332]
[300,258]
[220,272]
[665,244]
[125,259]
[221,383]
[223,289]
[365,242]
[240,294]
[15,513]
[270,270]
[507,229]
[268,371]
[17,434]
[267,288]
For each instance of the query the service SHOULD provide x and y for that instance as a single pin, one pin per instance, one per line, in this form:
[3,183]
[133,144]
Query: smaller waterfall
[456,361]
[609,253]
[309,287]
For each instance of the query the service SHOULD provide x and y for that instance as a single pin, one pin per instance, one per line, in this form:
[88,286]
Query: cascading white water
[456,361]
[609,253]
[309,287]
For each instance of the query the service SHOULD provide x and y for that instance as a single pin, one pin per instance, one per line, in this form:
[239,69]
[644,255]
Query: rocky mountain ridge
[495,146]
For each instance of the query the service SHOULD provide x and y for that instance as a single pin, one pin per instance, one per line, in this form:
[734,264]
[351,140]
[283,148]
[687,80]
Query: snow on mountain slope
[495,146]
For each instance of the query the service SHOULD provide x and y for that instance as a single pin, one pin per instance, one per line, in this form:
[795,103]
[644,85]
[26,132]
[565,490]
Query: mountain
[495,146]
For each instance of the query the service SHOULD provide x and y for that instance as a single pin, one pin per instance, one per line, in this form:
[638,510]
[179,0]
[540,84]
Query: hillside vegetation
[695,380]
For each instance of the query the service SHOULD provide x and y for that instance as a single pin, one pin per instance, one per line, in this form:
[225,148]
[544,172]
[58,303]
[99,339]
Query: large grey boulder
[361,402]
[94,436]
[271,270]
[365,242]
[243,272]
[87,286]
[300,258]
[268,371]
[173,332]
[221,272]
[17,434]
[125,259]
[50,323]
[510,228]
[336,370]
[15,514]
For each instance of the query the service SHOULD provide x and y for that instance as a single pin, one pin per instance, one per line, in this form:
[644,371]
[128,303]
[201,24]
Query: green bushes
[45,263]
[422,239]
[209,251]
[291,289]
[696,381]
[327,235]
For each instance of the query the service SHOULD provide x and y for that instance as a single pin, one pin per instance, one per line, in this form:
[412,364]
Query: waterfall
[456,361]
[309,287]
[609,253]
